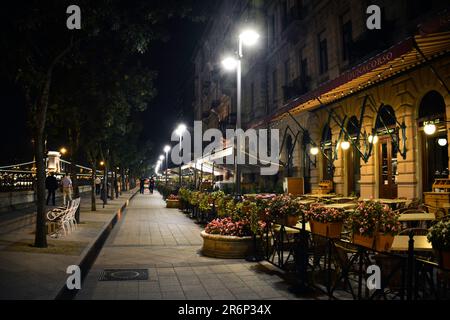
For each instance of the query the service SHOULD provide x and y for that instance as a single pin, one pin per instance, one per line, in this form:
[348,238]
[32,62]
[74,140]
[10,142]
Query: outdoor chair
[66,221]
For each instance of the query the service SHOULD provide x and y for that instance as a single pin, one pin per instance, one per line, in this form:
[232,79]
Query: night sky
[171,59]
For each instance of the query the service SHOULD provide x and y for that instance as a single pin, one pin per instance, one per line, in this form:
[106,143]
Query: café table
[345,206]
[343,199]
[306,201]
[320,196]
[297,228]
[401,243]
[393,203]
[416,217]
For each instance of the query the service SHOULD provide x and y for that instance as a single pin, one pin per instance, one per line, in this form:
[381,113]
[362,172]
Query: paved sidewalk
[168,244]
[32,273]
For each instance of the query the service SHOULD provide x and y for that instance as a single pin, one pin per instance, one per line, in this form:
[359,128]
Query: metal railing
[339,267]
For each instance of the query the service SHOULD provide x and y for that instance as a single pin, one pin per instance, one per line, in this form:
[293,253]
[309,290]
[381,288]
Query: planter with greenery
[439,236]
[283,209]
[326,222]
[374,225]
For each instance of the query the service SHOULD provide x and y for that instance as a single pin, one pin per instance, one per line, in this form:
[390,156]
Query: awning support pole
[428,63]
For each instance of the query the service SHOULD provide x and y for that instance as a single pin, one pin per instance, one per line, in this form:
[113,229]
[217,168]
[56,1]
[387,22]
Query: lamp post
[179,131]
[248,38]
[166,150]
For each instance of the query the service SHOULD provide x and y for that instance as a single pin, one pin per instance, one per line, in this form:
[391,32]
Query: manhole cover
[124,274]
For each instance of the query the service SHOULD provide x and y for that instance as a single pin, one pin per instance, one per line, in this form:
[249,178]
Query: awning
[397,59]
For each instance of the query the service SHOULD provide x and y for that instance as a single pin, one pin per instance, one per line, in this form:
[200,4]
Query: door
[388,168]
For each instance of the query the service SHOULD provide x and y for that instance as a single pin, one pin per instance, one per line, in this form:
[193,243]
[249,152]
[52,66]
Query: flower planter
[363,241]
[227,247]
[383,242]
[328,229]
[444,259]
[289,221]
[172,204]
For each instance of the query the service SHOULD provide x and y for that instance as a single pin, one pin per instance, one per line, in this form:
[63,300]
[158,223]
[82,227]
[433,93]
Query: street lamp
[249,38]
[314,151]
[179,131]
[63,151]
[166,150]
[345,145]
[429,128]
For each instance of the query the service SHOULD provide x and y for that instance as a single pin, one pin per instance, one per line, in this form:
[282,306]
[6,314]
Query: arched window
[385,118]
[327,159]
[434,147]
[353,165]
[289,155]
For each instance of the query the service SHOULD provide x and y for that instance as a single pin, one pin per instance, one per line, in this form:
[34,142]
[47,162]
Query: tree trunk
[93,177]
[40,239]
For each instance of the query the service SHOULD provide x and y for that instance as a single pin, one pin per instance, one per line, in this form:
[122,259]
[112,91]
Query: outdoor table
[297,228]
[345,206]
[421,243]
[393,203]
[416,217]
[319,195]
[347,199]
[306,201]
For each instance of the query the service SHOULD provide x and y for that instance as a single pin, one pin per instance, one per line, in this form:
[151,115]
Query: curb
[87,261]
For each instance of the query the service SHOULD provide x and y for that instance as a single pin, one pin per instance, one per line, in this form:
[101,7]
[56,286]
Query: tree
[39,43]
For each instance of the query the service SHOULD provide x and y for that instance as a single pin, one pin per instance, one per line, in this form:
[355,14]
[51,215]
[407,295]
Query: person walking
[151,185]
[141,185]
[98,183]
[67,188]
[51,184]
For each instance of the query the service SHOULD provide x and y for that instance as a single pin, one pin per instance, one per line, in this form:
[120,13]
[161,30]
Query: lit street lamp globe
[345,145]
[229,63]
[314,151]
[249,37]
[429,128]
[166,149]
[442,142]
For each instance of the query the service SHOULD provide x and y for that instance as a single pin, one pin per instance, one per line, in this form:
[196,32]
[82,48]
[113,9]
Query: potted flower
[326,222]
[374,225]
[173,201]
[231,236]
[439,236]
[388,227]
[283,210]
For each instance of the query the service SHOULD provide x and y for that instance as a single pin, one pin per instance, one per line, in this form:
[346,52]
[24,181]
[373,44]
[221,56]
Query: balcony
[294,24]
[296,88]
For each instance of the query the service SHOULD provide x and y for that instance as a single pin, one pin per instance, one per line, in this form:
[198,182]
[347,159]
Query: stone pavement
[32,273]
[168,244]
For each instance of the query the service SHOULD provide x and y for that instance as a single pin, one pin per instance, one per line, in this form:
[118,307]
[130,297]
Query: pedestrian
[51,184]
[116,187]
[98,183]
[141,185]
[151,185]
[66,183]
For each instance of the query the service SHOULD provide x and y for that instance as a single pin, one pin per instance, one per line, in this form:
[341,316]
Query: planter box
[173,204]
[383,242]
[228,247]
[363,241]
[444,259]
[328,229]
[289,221]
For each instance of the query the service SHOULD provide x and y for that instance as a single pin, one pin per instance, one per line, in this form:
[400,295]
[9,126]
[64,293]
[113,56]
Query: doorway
[387,152]
[388,168]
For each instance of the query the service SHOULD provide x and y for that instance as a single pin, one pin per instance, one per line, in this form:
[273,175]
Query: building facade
[351,103]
